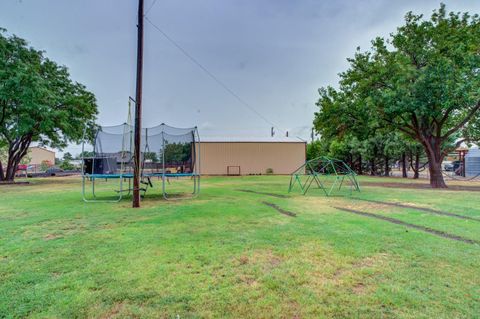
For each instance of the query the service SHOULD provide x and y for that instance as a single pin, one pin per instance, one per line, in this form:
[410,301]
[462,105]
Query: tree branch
[4,111]
[412,133]
[464,121]
[447,113]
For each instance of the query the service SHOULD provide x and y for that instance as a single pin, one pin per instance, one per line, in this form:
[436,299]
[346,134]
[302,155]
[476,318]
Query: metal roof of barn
[250,139]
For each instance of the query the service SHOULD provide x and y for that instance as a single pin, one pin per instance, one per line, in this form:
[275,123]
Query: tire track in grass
[280,210]
[418,227]
[424,209]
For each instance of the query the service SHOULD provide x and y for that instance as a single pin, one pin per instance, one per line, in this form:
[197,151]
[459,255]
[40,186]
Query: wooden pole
[138,109]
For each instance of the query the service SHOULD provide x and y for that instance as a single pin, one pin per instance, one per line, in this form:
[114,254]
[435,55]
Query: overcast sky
[274,54]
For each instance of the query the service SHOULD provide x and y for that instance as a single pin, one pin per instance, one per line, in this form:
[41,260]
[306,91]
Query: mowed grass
[228,255]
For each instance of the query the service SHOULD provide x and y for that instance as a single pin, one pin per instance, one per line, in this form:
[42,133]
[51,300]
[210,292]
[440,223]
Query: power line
[211,75]
[151,6]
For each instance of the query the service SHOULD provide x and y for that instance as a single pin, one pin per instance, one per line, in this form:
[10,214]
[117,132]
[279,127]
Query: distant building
[250,156]
[38,154]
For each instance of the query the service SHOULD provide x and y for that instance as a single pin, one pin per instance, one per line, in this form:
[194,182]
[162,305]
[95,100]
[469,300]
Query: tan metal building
[39,154]
[220,156]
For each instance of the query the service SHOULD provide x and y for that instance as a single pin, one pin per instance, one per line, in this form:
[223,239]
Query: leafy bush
[45,165]
[67,166]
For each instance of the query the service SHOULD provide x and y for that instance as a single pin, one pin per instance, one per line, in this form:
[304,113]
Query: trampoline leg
[83,189]
[95,200]
[194,185]
[120,194]
[93,188]
[163,186]
[197,191]
[129,187]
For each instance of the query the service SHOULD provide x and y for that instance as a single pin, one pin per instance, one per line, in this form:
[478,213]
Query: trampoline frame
[122,177]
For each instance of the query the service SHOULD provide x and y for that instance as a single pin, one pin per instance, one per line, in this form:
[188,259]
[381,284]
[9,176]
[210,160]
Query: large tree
[423,81]
[38,103]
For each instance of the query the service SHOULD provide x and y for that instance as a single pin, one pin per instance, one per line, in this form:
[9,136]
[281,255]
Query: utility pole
[138,109]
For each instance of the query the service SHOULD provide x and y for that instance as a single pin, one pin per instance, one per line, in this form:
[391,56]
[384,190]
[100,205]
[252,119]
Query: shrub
[67,166]
[45,165]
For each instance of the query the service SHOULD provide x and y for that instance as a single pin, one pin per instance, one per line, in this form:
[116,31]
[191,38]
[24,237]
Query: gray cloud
[274,53]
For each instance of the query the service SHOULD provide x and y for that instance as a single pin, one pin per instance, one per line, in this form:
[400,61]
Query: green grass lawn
[228,255]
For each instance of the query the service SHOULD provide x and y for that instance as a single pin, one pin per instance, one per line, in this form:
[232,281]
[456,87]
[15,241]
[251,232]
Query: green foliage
[3,153]
[45,165]
[152,156]
[67,165]
[26,159]
[85,154]
[67,156]
[177,152]
[314,149]
[424,81]
[38,101]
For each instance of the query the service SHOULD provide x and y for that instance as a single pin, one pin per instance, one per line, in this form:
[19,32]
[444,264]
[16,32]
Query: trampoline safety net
[166,152]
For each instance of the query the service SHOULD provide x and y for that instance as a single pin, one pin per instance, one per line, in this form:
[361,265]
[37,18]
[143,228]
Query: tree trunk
[10,173]
[436,174]
[404,165]
[16,151]
[372,167]
[2,175]
[360,169]
[387,166]
[435,158]
[416,170]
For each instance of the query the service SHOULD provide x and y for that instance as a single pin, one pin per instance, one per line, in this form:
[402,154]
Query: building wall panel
[252,157]
[38,155]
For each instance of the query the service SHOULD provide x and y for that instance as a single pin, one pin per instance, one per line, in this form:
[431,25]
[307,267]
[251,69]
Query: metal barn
[222,156]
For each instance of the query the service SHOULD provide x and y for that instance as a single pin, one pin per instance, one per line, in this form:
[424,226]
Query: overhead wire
[211,75]
[150,8]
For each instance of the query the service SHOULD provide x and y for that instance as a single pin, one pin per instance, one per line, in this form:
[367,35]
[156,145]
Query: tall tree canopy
[423,81]
[38,103]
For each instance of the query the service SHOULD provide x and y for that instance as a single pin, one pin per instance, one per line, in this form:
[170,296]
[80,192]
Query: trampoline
[167,153]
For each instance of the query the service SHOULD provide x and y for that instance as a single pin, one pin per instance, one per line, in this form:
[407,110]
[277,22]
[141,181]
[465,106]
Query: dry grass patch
[52,236]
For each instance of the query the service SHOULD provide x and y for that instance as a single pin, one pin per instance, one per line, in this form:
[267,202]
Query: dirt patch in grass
[422,186]
[325,272]
[370,262]
[243,260]
[52,237]
[253,267]
[418,227]
[265,258]
[280,210]
[262,193]
[114,311]
[359,288]
[423,209]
